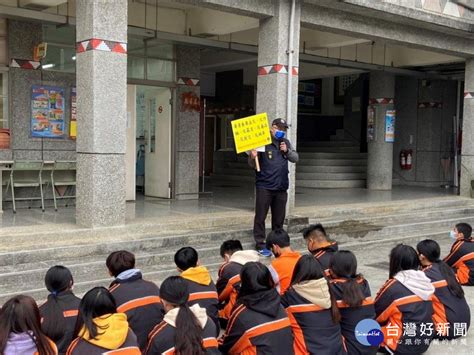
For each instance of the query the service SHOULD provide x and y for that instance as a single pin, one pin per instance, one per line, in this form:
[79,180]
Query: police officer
[272,182]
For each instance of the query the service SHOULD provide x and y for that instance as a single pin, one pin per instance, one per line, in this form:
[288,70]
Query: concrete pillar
[187,124]
[101,71]
[467,153]
[273,72]
[380,153]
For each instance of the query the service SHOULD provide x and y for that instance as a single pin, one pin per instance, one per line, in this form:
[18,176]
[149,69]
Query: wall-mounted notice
[47,111]
[390,126]
[370,124]
[73,122]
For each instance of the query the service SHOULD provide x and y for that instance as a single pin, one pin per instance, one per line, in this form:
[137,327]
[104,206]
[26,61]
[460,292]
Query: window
[61,50]
[4,99]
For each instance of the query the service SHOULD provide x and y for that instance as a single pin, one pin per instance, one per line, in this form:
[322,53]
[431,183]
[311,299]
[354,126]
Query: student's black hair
[95,303]
[20,314]
[278,237]
[308,268]
[230,247]
[188,333]
[403,257]
[255,277]
[186,258]
[120,261]
[57,279]
[465,229]
[309,231]
[343,264]
[431,251]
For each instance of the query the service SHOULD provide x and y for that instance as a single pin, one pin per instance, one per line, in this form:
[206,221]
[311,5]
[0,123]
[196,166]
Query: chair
[26,173]
[63,174]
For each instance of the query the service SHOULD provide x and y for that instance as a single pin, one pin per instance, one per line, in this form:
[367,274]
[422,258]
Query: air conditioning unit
[40,5]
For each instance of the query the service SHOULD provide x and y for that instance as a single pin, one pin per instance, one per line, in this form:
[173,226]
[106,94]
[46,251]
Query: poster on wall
[370,124]
[47,111]
[390,126]
[73,122]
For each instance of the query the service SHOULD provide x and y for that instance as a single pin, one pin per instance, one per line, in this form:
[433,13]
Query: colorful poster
[47,111]
[370,124]
[390,126]
[251,132]
[73,122]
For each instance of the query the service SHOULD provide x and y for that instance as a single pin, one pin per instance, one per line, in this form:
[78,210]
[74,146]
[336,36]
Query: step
[330,169]
[333,162]
[331,184]
[313,155]
[328,144]
[330,176]
[231,177]
[329,149]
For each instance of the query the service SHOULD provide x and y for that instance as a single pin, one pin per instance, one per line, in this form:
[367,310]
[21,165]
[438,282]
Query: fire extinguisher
[409,159]
[403,160]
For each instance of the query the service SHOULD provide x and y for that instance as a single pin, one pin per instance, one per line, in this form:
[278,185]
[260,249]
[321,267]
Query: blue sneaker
[265,252]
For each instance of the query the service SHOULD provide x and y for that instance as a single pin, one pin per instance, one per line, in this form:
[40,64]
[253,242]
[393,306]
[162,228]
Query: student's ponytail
[335,314]
[352,293]
[431,251]
[188,332]
[188,335]
[343,264]
[58,279]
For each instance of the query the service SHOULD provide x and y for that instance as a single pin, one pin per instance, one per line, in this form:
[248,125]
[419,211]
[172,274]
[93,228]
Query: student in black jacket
[137,298]
[59,312]
[319,244]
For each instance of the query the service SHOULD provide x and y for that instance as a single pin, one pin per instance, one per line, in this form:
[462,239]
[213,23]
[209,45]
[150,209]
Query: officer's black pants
[265,199]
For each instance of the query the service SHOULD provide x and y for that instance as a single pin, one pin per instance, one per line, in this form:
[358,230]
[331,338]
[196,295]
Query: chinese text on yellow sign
[251,132]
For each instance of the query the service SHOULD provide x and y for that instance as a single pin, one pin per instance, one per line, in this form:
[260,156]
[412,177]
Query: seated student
[137,298]
[228,282]
[278,242]
[258,324]
[20,329]
[59,312]
[184,329]
[461,257]
[403,304]
[449,303]
[353,297]
[313,311]
[201,288]
[100,329]
[320,245]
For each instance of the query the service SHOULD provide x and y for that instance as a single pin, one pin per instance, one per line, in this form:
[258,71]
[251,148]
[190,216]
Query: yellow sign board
[251,132]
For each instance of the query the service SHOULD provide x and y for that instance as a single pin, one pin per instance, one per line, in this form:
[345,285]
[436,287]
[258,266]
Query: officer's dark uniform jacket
[228,282]
[140,301]
[350,316]
[448,309]
[258,325]
[324,253]
[162,338]
[273,173]
[461,258]
[114,338]
[309,308]
[69,304]
[397,306]
[202,291]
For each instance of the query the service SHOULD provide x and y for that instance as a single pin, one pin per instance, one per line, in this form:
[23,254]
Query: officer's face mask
[279,134]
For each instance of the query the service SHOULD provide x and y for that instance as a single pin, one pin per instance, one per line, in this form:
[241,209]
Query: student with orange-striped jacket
[258,324]
[228,282]
[59,312]
[312,310]
[202,290]
[354,299]
[461,257]
[100,329]
[403,305]
[137,298]
[452,315]
[281,268]
[319,244]
[184,329]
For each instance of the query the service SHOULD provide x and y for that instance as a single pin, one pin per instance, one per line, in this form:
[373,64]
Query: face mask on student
[453,235]
[279,134]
